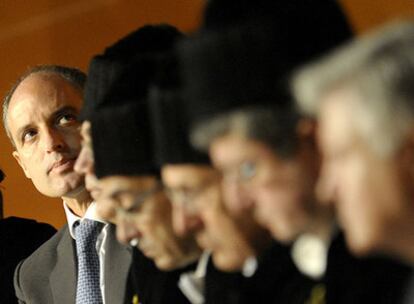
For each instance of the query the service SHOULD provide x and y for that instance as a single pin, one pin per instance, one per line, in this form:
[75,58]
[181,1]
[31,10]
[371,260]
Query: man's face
[140,209]
[85,164]
[42,119]
[198,202]
[371,193]
[232,240]
[183,184]
[278,191]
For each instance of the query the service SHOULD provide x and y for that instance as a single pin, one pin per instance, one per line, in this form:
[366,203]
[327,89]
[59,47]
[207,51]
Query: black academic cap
[171,129]
[231,69]
[122,142]
[248,65]
[106,69]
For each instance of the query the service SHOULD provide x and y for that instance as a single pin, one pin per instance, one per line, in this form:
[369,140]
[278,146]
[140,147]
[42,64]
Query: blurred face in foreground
[85,163]
[372,194]
[278,191]
[142,212]
[199,209]
[139,208]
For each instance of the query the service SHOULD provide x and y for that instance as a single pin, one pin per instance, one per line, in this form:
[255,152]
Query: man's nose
[127,230]
[184,221]
[53,140]
[236,197]
[326,186]
[84,163]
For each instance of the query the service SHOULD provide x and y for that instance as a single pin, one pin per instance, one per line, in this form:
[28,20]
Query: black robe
[150,285]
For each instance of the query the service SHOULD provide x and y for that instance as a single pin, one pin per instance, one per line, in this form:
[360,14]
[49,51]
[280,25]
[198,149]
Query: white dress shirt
[100,242]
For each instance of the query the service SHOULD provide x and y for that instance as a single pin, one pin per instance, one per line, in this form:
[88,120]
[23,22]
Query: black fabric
[369,280]
[276,280]
[151,285]
[19,238]
[122,143]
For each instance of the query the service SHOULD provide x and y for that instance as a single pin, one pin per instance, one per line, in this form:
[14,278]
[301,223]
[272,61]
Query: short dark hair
[73,75]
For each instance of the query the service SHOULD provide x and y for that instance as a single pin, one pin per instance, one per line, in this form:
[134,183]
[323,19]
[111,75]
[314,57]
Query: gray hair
[276,128]
[74,76]
[379,68]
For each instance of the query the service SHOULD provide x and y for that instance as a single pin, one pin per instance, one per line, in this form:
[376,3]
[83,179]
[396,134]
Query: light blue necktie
[88,289]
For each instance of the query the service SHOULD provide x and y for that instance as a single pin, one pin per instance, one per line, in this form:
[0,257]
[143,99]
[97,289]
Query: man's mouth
[62,165]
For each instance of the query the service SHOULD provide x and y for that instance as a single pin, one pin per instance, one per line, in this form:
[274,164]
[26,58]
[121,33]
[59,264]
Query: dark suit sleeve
[17,284]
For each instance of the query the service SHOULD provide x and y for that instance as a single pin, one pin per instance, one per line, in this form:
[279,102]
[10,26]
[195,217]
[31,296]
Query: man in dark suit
[19,237]
[41,121]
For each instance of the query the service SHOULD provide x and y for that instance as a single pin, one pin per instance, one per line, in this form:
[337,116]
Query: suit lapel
[63,275]
[117,263]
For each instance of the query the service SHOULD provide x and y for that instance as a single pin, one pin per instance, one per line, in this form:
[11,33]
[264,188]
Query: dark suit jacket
[49,274]
[19,238]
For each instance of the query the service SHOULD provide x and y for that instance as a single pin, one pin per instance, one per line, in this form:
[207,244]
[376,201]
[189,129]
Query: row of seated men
[265,158]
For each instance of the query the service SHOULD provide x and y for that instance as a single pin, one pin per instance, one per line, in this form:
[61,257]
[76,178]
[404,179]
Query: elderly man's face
[371,193]
[42,119]
[141,210]
[199,209]
[276,191]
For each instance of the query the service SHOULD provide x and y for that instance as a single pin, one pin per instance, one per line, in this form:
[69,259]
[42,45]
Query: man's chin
[71,186]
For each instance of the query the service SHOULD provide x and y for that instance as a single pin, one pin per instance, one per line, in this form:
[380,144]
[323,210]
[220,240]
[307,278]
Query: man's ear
[19,161]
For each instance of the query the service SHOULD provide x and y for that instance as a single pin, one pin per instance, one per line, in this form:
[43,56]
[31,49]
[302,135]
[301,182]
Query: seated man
[125,168]
[133,199]
[40,117]
[365,114]
[266,154]
[19,238]
[237,272]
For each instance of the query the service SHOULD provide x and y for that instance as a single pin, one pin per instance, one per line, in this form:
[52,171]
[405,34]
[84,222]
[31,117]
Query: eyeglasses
[242,173]
[137,198]
[187,196]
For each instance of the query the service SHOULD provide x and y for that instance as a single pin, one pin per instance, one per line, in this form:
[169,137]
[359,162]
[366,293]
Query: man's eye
[67,119]
[247,170]
[28,135]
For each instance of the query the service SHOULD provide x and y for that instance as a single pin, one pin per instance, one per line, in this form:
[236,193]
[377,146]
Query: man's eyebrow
[63,110]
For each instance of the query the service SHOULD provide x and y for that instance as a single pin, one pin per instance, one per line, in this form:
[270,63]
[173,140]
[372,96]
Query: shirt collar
[73,218]
[310,255]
